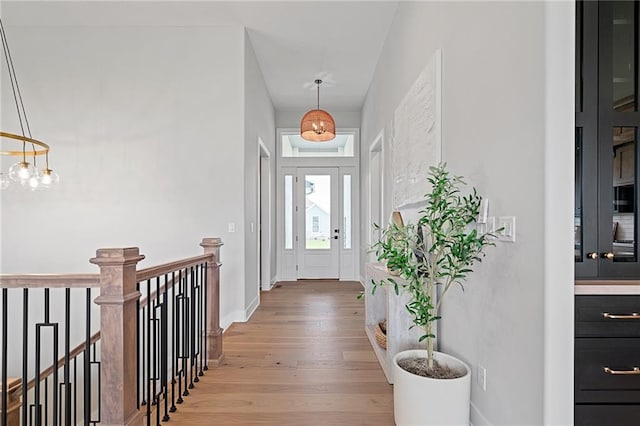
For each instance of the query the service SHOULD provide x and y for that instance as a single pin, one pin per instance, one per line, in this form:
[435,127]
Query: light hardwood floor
[302,359]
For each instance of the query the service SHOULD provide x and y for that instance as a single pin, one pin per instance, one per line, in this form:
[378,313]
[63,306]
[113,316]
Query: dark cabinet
[607,360]
[606,216]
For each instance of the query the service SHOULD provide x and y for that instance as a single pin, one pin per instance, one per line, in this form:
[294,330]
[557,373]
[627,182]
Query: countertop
[612,287]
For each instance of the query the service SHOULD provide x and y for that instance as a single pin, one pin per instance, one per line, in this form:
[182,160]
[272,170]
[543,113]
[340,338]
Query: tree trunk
[428,329]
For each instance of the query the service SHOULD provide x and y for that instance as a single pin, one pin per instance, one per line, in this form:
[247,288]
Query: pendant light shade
[317,125]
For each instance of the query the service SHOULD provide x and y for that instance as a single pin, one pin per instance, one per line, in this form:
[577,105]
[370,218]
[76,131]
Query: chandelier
[317,125]
[25,171]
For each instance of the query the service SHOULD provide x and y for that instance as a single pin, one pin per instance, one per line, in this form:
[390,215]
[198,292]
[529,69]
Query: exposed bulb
[21,172]
[34,181]
[48,178]
[4,181]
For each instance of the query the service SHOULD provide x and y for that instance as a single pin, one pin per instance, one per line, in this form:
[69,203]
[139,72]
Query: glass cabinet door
[585,224]
[607,122]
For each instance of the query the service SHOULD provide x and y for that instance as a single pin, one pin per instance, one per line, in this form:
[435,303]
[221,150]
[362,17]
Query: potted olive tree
[436,253]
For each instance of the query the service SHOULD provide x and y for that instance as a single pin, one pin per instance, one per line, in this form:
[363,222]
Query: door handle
[337,231]
[633,315]
[634,372]
[607,255]
[335,238]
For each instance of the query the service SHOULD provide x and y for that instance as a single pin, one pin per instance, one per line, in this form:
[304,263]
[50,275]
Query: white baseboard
[477,419]
[252,307]
[230,318]
[271,284]
[240,315]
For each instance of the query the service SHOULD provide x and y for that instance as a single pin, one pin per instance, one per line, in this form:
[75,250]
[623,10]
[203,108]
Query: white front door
[318,230]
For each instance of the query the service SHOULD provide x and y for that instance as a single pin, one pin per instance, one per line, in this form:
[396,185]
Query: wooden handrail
[50,281]
[167,268]
[144,301]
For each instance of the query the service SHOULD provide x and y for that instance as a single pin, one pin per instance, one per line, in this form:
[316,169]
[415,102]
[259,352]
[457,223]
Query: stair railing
[159,331]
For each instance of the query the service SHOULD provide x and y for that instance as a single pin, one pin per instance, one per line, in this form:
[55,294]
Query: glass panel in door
[623,230]
[288,212]
[346,212]
[577,217]
[623,49]
[318,223]
[317,189]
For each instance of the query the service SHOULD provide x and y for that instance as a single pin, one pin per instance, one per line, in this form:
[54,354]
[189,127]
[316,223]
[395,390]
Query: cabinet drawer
[592,322]
[593,384]
[607,415]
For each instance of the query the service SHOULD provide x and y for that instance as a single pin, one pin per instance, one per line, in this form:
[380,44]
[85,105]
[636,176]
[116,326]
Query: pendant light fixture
[317,125]
[24,171]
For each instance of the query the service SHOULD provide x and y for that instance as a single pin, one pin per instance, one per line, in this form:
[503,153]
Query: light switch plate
[508,232]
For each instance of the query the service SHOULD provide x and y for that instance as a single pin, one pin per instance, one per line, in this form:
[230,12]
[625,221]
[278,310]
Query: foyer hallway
[302,359]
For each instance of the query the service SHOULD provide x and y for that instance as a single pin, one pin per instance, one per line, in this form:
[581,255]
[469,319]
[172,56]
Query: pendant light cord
[318,83]
[17,95]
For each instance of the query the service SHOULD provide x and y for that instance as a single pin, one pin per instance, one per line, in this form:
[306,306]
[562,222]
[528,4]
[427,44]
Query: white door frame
[323,263]
[286,166]
[263,236]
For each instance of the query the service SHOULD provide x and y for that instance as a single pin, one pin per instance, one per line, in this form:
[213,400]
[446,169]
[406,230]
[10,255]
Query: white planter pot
[422,401]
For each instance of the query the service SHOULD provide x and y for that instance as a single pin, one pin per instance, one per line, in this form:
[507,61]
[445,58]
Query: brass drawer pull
[634,372]
[633,315]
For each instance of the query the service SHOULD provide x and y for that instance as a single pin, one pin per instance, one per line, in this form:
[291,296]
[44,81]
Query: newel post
[213,332]
[118,313]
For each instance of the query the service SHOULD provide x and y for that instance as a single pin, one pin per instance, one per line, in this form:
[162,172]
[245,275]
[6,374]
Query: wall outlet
[482,377]
[232,227]
[508,225]
[486,227]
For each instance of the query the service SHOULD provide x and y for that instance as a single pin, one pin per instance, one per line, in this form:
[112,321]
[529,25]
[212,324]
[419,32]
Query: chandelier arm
[44,148]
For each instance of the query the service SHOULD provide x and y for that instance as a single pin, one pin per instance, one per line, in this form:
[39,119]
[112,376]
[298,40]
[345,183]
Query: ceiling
[295,41]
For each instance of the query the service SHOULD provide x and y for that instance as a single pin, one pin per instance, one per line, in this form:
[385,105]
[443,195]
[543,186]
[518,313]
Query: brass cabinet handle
[633,315]
[634,372]
[607,255]
[592,256]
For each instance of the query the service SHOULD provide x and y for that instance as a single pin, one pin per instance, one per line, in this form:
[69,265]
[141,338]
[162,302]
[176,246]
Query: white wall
[146,128]
[259,122]
[496,133]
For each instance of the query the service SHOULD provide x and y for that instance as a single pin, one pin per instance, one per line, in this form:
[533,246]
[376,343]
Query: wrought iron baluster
[25,351]
[205,284]
[138,354]
[147,368]
[75,389]
[197,326]
[94,361]
[185,333]
[86,360]
[178,334]
[164,364]
[67,331]
[5,338]
[192,322]
[173,343]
